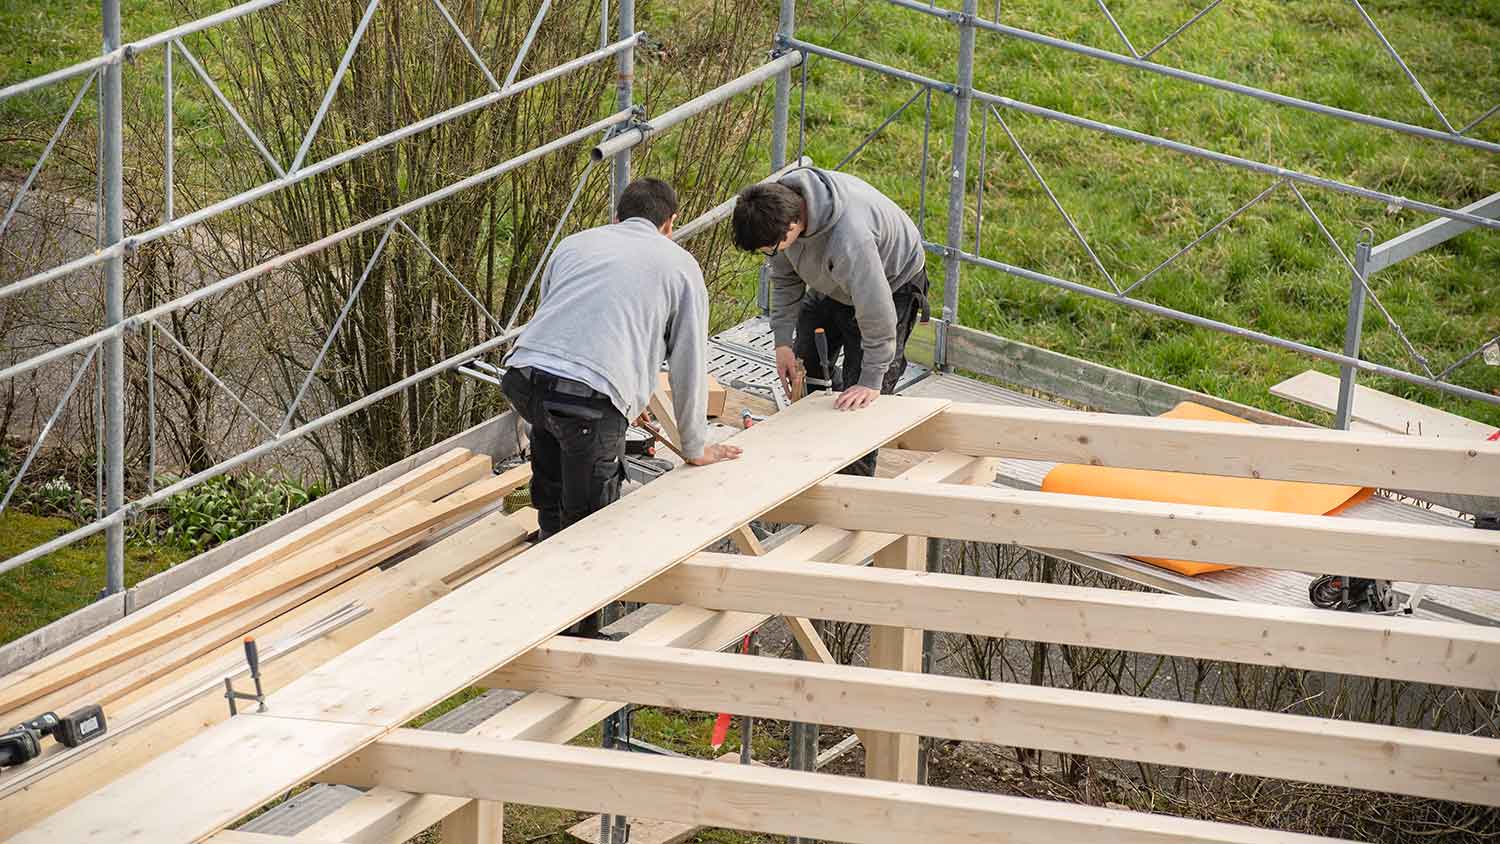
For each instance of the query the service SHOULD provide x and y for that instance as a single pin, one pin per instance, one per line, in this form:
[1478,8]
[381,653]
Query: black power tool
[1351,594]
[23,742]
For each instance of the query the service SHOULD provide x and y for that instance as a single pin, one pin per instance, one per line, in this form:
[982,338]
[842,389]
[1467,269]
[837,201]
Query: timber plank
[446,646]
[142,732]
[380,498]
[775,801]
[1379,409]
[1417,553]
[401,524]
[1312,455]
[1421,763]
[385,815]
[1441,652]
[200,787]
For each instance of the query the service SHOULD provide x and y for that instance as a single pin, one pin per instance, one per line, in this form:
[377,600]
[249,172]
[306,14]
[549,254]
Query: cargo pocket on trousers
[609,474]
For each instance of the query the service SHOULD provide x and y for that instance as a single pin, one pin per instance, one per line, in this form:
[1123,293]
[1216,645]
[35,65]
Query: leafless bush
[1301,807]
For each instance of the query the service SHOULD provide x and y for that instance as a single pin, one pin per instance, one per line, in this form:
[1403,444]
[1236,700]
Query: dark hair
[650,198]
[763,214]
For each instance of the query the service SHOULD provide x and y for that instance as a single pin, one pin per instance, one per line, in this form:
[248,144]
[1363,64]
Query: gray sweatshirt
[858,247]
[616,301]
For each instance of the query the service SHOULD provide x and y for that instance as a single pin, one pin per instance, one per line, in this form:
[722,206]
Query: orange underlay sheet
[1214,490]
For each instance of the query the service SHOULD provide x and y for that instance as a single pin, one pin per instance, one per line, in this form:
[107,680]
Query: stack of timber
[306,597]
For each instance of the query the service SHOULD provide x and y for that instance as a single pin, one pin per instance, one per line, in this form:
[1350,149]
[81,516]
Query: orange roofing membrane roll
[1214,490]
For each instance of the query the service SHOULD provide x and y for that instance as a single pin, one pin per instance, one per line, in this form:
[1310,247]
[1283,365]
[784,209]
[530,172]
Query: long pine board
[545,717]
[309,534]
[389,679]
[1445,653]
[1287,541]
[1313,455]
[1380,410]
[138,732]
[1432,764]
[404,522]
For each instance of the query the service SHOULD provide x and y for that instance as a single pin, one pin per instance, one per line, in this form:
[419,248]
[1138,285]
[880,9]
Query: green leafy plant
[225,507]
[56,497]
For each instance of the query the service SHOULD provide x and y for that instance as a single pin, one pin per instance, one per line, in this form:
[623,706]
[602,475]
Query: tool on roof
[252,656]
[656,432]
[1351,594]
[23,742]
[830,379]
[721,724]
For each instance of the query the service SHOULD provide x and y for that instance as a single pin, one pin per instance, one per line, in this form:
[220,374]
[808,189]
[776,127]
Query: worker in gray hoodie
[846,259]
[616,301]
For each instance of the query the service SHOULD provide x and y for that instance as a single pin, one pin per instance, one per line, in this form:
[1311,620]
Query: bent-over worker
[844,258]
[616,301]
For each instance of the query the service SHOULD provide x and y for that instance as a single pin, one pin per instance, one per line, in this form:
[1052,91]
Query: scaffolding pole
[624,99]
[1353,329]
[958,180]
[112,178]
[640,132]
[786,27]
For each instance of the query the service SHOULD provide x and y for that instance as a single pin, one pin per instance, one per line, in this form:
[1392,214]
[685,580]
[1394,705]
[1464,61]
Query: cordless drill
[23,742]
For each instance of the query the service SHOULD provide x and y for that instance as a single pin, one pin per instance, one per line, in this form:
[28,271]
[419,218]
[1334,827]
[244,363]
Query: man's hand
[855,398]
[786,368]
[716,453]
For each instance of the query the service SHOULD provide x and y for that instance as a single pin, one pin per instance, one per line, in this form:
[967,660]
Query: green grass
[1271,270]
[47,589]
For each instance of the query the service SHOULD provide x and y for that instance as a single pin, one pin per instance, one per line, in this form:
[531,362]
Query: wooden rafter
[387,815]
[1415,552]
[1315,455]
[341,721]
[1441,652]
[1422,763]
[384,682]
[768,800]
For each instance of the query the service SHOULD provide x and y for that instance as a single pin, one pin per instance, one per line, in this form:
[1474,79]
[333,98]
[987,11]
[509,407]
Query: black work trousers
[577,446]
[841,327]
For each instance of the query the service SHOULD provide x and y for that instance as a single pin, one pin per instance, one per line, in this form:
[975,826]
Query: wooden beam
[1417,553]
[389,531]
[774,801]
[745,539]
[386,816]
[1420,763]
[889,755]
[1445,653]
[1314,455]
[660,405]
[145,729]
[450,644]
[309,534]
[234,836]
[479,822]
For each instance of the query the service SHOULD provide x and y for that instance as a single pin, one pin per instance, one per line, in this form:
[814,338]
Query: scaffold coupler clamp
[252,657]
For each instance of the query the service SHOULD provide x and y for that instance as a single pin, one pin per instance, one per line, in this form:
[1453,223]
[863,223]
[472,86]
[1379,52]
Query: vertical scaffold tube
[957,179]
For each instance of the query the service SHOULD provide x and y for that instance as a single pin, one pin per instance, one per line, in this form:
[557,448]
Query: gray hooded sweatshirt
[857,249]
[616,301]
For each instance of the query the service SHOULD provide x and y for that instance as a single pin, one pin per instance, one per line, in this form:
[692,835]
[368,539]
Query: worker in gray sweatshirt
[843,258]
[616,301]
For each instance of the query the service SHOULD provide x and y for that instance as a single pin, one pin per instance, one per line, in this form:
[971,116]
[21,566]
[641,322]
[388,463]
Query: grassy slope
[1271,271]
[50,588]
[1137,205]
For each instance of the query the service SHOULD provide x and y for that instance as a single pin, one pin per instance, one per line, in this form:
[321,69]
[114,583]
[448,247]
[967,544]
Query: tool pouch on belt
[919,287]
[572,398]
